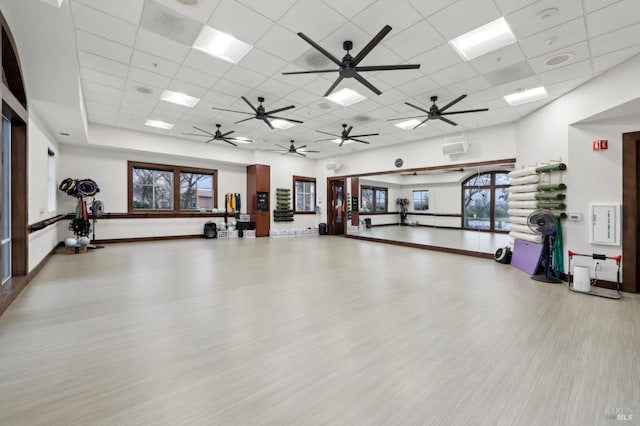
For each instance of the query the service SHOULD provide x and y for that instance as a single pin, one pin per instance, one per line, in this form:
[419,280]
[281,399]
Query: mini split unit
[453,148]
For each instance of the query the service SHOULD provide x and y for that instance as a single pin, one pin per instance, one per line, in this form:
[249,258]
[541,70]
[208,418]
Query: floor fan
[543,222]
[97,208]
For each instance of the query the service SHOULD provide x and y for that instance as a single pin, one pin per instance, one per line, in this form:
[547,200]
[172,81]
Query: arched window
[484,202]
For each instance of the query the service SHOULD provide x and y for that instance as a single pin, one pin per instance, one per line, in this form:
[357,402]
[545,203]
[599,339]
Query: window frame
[375,190]
[492,187]
[413,200]
[176,171]
[315,194]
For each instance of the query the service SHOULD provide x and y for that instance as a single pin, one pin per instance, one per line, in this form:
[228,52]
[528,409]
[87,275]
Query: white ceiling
[117,56]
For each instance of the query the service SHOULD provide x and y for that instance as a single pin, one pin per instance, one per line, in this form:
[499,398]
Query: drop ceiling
[126,61]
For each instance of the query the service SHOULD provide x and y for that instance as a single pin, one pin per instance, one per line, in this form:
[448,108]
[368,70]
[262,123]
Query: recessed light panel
[526,96]
[159,124]
[346,97]
[346,142]
[221,45]
[242,140]
[282,124]
[487,38]
[408,125]
[179,98]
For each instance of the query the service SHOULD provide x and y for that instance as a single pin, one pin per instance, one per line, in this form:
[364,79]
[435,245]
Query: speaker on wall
[333,165]
[453,148]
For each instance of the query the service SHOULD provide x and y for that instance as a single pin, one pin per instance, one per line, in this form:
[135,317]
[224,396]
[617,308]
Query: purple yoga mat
[526,256]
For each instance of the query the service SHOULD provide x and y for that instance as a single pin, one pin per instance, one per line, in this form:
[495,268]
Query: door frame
[630,211]
[330,216]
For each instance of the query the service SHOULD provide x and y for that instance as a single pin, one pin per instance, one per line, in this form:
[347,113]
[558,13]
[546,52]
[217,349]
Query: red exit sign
[600,144]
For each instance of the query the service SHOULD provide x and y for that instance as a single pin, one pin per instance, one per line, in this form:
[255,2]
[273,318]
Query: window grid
[304,194]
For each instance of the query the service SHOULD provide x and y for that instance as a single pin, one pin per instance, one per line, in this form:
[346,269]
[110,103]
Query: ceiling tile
[148,78]
[218,99]
[154,63]
[555,38]
[436,59]
[199,60]
[229,88]
[518,85]
[418,86]
[244,76]
[566,73]
[101,89]
[239,21]
[398,14]
[200,12]
[511,73]
[463,16]
[593,5]
[127,10]
[348,9]
[262,62]
[282,43]
[610,60]
[454,74]
[471,85]
[273,10]
[613,17]
[428,8]
[196,77]
[187,88]
[312,17]
[497,59]
[509,6]
[102,78]
[415,40]
[98,45]
[103,25]
[543,15]
[102,64]
[579,52]
[395,78]
[615,40]
[160,46]
[565,86]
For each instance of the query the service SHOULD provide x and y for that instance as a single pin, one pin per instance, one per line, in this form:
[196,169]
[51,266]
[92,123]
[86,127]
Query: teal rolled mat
[551,168]
[552,187]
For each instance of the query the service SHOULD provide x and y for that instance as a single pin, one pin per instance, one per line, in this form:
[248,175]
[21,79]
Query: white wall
[553,132]
[40,141]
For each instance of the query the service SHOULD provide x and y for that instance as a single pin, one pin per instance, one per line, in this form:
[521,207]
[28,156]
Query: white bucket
[581,279]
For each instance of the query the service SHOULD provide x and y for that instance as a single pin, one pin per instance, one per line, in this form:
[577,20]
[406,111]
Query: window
[485,198]
[304,194]
[162,188]
[374,200]
[421,200]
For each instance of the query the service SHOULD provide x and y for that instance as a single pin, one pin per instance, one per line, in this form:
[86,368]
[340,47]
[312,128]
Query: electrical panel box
[605,224]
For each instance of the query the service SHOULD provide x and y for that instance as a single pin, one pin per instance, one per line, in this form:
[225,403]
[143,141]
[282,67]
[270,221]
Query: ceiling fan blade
[283,147]
[330,134]
[227,134]
[373,43]
[421,123]
[279,110]
[210,140]
[250,104]
[446,120]
[302,147]
[453,102]
[324,140]
[246,119]
[333,86]
[229,142]
[465,111]
[286,119]
[389,67]
[268,123]
[370,86]
[320,49]
[348,131]
[341,142]
[417,107]
[359,140]
[362,136]
[405,118]
[299,153]
[195,134]
[307,151]
[309,72]
[232,110]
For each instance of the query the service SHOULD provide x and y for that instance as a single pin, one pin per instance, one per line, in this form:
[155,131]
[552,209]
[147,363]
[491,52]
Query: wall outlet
[575,217]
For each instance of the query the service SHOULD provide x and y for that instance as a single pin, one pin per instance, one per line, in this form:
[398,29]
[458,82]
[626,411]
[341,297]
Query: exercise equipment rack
[596,256]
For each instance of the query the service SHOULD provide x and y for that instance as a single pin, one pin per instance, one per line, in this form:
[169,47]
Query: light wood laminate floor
[310,330]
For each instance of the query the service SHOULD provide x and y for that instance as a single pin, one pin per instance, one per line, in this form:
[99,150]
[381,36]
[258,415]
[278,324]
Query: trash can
[322,229]
[367,222]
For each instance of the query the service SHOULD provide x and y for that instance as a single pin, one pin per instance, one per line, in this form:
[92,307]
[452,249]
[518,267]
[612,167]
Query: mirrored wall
[459,208]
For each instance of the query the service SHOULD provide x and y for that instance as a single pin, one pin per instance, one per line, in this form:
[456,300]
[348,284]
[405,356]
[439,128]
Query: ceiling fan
[292,149]
[435,113]
[218,136]
[345,135]
[348,67]
[260,113]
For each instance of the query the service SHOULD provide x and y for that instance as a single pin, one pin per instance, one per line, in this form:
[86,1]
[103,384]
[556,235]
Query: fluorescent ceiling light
[346,97]
[221,45]
[523,97]
[242,140]
[409,124]
[179,98]
[346,142]
[282,124]
[487,38]
[159,124]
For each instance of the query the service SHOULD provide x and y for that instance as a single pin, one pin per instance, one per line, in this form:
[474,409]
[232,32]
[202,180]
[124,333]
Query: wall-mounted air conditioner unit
[333,165]
[454,148]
